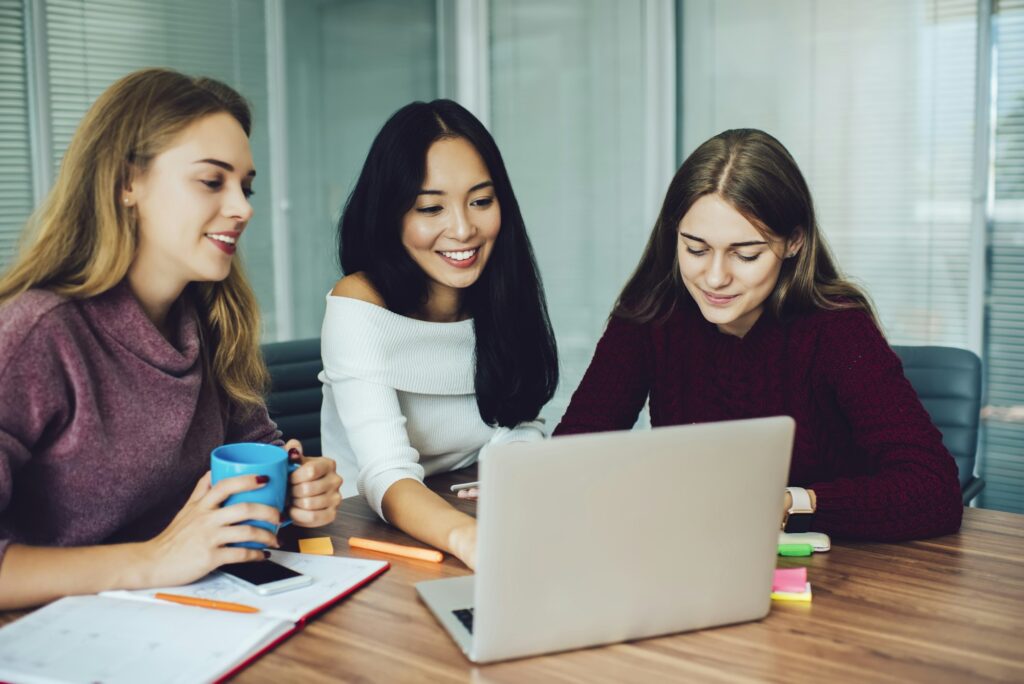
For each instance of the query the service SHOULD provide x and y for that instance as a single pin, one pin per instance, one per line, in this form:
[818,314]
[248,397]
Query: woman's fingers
[220,492]
[201,488]
[234,534]
[238,554]
[307,518]
[324,485]
[294,449]
[239,512]
[331,499]
[315,469]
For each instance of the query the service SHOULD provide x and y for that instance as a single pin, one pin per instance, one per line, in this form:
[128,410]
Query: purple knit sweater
[864,443]
[105,426]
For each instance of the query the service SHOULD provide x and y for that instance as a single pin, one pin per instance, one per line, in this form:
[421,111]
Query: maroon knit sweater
[105,426]
[863,443]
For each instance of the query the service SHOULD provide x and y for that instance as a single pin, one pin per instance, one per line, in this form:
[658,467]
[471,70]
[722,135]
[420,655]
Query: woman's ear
[130,188]
[794,243]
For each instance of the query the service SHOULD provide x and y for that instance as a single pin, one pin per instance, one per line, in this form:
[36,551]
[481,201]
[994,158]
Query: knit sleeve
[375,425]
[527,431]
[912,490]
[34,404]
[252,424]
[616,384]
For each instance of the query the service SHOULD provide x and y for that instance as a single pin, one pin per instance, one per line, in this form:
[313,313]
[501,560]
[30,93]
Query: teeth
[460,256]
[222,238]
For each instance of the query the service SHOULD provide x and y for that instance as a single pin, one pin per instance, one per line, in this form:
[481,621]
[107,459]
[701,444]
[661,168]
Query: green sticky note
[795,549]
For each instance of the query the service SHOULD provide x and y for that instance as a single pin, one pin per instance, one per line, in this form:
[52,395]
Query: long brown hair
[757,176]
[82,240]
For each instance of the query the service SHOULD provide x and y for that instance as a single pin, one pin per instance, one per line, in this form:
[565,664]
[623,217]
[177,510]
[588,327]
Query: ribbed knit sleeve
[913,490]
[616,384]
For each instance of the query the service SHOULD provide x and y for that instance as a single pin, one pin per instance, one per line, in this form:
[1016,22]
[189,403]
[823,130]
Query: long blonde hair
[82,240]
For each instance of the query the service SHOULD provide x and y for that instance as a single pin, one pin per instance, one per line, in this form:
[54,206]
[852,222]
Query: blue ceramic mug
[251,458]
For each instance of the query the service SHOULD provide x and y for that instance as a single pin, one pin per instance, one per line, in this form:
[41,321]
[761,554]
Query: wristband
[801,514]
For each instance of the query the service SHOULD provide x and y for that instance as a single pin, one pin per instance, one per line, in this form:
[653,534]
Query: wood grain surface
[949,609]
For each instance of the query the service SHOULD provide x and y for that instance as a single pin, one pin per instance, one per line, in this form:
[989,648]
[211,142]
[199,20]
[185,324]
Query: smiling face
[451,229]
[728,266]
[192,205]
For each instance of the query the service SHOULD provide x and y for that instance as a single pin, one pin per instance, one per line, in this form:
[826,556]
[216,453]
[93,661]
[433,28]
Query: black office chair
[948,381]
[295,394]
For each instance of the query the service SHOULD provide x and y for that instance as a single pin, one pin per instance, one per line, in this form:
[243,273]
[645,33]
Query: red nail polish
[262,479]
[294,454]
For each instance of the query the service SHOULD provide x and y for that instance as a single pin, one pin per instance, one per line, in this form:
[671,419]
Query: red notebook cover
[300,624]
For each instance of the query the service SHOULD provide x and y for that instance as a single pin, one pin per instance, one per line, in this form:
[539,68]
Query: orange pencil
[430,555]
[207,603]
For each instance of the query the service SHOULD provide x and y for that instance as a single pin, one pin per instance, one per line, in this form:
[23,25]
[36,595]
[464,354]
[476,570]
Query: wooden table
[947,609]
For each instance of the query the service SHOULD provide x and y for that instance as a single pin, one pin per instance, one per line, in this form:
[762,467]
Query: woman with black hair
[437,342]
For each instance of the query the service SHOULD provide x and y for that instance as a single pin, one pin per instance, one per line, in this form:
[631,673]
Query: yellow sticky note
[320,546]
[801,596]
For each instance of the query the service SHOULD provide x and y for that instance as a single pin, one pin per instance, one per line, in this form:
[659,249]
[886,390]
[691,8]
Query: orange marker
[430,555]
[207,603]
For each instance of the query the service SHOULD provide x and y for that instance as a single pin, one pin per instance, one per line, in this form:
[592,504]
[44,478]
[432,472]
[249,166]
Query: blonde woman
[129,349]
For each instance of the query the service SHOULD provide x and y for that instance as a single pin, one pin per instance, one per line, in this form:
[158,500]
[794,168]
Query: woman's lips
[226,242]
[464,262]
[718,300]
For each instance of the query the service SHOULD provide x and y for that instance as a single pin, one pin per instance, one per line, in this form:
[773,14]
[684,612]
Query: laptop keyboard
[465,616]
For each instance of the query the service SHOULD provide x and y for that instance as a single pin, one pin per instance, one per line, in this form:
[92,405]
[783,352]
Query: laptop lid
[601,538]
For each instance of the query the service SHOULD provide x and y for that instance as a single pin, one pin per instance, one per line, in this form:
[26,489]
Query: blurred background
[907,117]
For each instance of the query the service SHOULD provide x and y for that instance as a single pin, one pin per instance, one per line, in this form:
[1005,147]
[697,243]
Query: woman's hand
[196,541]
[472,494]
[462,542]
[315,488]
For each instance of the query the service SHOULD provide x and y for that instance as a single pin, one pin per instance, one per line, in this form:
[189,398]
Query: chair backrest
[295,394]
[948,381]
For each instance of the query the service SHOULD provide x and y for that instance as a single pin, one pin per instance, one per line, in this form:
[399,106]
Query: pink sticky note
[790,579]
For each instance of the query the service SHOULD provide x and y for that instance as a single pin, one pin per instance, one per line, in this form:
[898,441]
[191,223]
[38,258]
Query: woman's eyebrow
[748,243]
[478,186]
[224,165]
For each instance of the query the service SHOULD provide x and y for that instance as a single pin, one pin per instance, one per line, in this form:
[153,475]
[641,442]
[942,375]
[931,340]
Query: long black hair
[516,356]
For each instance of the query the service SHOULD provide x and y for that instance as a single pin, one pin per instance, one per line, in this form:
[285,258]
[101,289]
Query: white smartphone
[265,577]
[464,485]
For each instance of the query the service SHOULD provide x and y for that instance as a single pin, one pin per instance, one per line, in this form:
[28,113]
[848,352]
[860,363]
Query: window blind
[16,168]
[350,66]
[1004,359]
[875,100]
[568,111]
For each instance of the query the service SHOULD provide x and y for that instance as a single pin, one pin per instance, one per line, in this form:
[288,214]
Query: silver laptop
[596,539]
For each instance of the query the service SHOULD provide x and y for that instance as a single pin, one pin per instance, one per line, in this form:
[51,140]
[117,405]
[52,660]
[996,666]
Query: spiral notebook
[130,636]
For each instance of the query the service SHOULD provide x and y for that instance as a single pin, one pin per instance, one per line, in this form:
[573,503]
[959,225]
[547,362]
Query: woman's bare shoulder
[358,286]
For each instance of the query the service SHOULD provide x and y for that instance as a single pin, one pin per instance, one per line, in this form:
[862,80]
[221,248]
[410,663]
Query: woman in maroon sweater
[737,310]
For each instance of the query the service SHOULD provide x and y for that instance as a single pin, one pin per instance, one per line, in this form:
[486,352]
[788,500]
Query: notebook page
[332,577]
[103,639]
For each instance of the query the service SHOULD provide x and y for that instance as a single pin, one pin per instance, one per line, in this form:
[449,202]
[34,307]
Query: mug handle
[292,467]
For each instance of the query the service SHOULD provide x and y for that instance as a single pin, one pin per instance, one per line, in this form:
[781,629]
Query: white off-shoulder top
[399,399]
